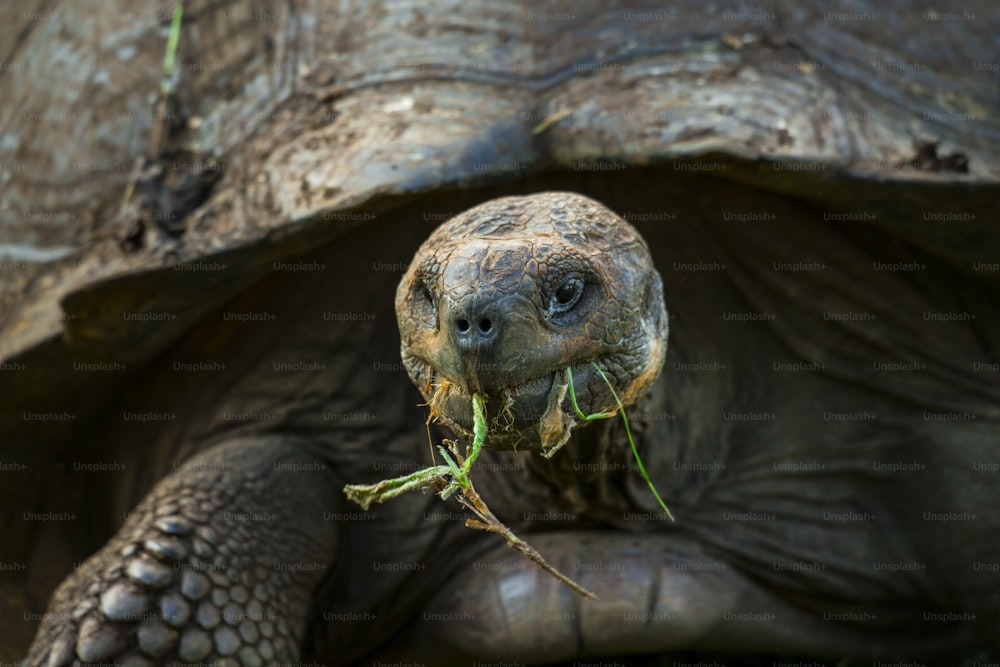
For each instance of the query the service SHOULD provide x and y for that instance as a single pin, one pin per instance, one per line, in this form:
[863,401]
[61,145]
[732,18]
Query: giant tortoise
[771,224]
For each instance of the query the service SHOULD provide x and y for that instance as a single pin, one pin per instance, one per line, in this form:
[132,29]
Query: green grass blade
[460,476]
[478,431]
[168,58]
[576,406]
[628,432]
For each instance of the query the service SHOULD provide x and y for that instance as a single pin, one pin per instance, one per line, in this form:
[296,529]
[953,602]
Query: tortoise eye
[566,296]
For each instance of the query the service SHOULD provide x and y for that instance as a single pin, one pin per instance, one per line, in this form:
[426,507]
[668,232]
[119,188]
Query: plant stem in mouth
[447,480]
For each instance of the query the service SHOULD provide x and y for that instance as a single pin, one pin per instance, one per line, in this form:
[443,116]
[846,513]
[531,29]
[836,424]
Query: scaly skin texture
[504,297]
[786,520]
[219,562]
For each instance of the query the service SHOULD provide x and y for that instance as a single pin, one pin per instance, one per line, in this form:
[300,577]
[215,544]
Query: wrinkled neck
[589,474]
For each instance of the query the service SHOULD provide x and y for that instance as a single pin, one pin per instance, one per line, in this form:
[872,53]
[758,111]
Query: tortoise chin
[535,414]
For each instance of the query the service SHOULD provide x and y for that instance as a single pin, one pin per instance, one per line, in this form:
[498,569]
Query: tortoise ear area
[425,292]
[653,303]
[416,301]
[423,301]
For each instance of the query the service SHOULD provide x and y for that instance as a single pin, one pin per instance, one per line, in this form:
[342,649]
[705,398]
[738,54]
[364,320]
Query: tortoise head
[503,298]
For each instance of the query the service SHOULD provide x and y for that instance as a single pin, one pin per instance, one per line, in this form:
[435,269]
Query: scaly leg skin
[221,563]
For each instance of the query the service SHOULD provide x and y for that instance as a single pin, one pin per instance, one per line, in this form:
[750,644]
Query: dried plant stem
[447,480]
[490,523]
[453,478]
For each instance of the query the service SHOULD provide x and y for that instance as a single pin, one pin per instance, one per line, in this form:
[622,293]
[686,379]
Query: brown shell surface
[355,105]
[355,111]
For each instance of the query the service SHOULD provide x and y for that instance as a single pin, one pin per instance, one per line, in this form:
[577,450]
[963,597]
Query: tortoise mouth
[535,413]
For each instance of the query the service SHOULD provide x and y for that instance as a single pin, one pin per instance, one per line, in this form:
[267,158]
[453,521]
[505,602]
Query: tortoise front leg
[222,561]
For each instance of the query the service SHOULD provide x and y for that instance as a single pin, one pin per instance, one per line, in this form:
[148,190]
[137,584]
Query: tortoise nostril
[476,325]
